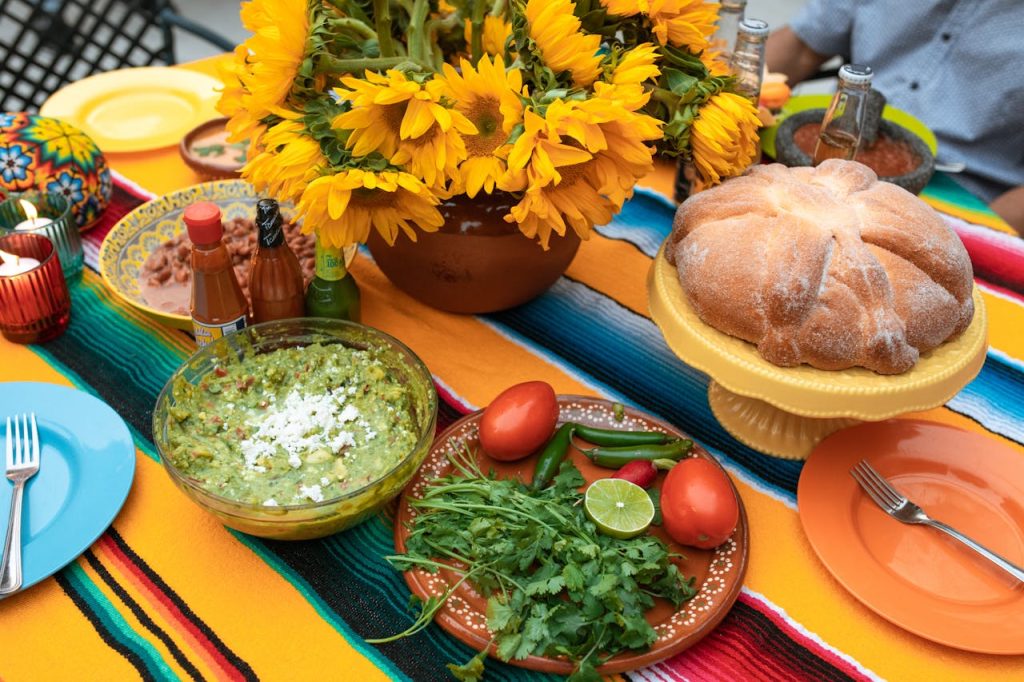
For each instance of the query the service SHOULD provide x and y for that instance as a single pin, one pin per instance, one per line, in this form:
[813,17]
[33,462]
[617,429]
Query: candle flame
[30,210]
[12,258]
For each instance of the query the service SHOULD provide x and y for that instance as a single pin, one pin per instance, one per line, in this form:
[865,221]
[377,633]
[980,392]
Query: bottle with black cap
[275,280]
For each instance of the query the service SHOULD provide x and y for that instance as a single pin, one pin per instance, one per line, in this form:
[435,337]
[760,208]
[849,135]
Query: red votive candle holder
[34,301]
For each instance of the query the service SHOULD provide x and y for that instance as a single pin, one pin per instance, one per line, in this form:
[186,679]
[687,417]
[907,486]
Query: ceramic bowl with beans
[144,259]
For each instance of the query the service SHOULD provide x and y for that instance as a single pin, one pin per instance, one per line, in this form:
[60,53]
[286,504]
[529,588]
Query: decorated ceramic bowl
[132,240]
[37,152]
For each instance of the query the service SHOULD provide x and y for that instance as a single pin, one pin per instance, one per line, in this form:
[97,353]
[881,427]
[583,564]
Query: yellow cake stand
[786,411]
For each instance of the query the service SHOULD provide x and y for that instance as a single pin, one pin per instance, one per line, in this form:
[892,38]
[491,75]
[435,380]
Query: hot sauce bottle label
[208,333]
[330,263]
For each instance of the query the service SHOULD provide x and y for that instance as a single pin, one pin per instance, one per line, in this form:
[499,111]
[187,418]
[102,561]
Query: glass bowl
[317,519]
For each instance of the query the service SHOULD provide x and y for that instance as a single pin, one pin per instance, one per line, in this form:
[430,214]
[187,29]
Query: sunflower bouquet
[370,113]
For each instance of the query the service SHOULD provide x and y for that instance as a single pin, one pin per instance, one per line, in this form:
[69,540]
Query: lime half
[618,508]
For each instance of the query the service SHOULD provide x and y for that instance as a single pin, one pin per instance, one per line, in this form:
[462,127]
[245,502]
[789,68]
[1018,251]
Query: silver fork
[900,508]
[22,464]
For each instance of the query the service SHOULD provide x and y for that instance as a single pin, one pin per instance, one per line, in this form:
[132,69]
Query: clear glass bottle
[843,124]
[747,62]
[723,41]
[333,292]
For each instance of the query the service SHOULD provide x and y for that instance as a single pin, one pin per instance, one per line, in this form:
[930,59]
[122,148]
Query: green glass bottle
[333,292]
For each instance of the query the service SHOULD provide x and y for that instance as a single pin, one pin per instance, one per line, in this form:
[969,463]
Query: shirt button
[946,37]
[915,85]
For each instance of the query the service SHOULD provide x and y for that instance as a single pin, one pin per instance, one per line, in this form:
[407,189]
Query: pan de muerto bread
[825,266]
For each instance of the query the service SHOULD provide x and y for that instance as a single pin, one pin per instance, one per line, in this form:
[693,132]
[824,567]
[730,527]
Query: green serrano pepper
[614,458]
[613,438]
[550,458]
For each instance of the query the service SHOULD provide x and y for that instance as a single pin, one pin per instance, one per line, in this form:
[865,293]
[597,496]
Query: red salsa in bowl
[887,157]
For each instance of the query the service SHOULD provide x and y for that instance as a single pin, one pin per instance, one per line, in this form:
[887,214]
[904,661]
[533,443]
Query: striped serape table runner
[167,593]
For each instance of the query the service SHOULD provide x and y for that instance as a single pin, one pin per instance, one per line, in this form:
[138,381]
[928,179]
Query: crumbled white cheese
[313,492]
[270,502]
[301,424]
[324,480]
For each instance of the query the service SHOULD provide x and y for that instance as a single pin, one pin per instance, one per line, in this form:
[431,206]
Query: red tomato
[698,504]
[519,421]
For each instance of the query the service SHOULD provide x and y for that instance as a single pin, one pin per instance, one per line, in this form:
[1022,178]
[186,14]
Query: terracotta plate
[719,572]
[915,576]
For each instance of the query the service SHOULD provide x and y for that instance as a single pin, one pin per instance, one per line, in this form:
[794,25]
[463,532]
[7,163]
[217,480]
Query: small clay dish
[206,150]
[914,180]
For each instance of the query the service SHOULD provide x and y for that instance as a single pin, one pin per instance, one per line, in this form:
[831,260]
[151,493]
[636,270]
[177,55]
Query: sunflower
[276,50]
[724,138]
[343,207]
[579,164]
[683,23]
[562,44]
[636,66]
[289,160]
[625,85]
[242,124]
[496,32]
[539,152]
[714,62]
[406,123]
[489,98]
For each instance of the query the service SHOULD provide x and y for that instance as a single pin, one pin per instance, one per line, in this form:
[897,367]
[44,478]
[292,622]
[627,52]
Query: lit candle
[11,265]
[32,220]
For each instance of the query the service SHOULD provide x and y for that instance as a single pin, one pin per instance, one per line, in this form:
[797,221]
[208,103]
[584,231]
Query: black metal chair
[45,44]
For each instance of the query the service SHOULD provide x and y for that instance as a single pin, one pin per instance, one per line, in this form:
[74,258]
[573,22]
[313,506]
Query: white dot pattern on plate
[722,571]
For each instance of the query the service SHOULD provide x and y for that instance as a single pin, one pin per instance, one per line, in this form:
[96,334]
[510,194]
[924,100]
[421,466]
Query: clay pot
[476,262]
[788,153]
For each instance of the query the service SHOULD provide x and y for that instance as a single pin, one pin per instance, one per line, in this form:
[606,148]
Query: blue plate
[86,464]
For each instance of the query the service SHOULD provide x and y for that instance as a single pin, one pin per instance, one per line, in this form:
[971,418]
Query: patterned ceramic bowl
[130,242]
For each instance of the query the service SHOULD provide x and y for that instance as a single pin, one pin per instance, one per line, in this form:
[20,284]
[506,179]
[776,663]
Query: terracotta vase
[476,262]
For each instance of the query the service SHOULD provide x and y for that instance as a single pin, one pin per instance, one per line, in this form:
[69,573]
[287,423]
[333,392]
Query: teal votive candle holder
[48,215]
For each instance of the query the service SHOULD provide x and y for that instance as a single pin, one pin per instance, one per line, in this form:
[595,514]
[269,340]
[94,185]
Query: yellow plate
[132,110]
[785,411]
[129,243]
[804,102]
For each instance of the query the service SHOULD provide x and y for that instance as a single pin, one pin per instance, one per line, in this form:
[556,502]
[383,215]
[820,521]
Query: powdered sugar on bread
[825,266]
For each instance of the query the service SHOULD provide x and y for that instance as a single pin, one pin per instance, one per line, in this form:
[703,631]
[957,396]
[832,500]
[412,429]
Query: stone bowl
[788,153]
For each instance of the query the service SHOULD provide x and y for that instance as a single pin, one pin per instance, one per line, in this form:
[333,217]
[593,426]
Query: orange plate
[719,572]
[915,576]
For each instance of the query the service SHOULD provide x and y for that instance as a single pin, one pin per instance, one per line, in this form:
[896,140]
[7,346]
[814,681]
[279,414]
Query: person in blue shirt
[954,64]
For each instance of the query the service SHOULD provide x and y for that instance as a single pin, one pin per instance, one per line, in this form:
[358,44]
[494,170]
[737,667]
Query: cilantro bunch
[555,585]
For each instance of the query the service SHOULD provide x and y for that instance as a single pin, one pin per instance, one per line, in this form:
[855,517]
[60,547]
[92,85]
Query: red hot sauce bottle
[218,305]
[275,282]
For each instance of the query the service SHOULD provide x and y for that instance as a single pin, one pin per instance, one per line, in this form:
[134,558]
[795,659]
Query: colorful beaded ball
[37,152]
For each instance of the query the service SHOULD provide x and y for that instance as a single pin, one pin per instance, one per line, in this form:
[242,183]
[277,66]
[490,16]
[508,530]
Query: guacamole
[292,426]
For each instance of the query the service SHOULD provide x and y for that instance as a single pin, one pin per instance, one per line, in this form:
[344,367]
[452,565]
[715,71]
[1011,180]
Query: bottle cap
[203,222]
[856,74]
[734,4]
[269,223]
[754,28]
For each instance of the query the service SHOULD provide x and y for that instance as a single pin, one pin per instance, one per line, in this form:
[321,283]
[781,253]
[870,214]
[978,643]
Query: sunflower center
[392,115]
[572,173]
[372,198]
[485,113]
